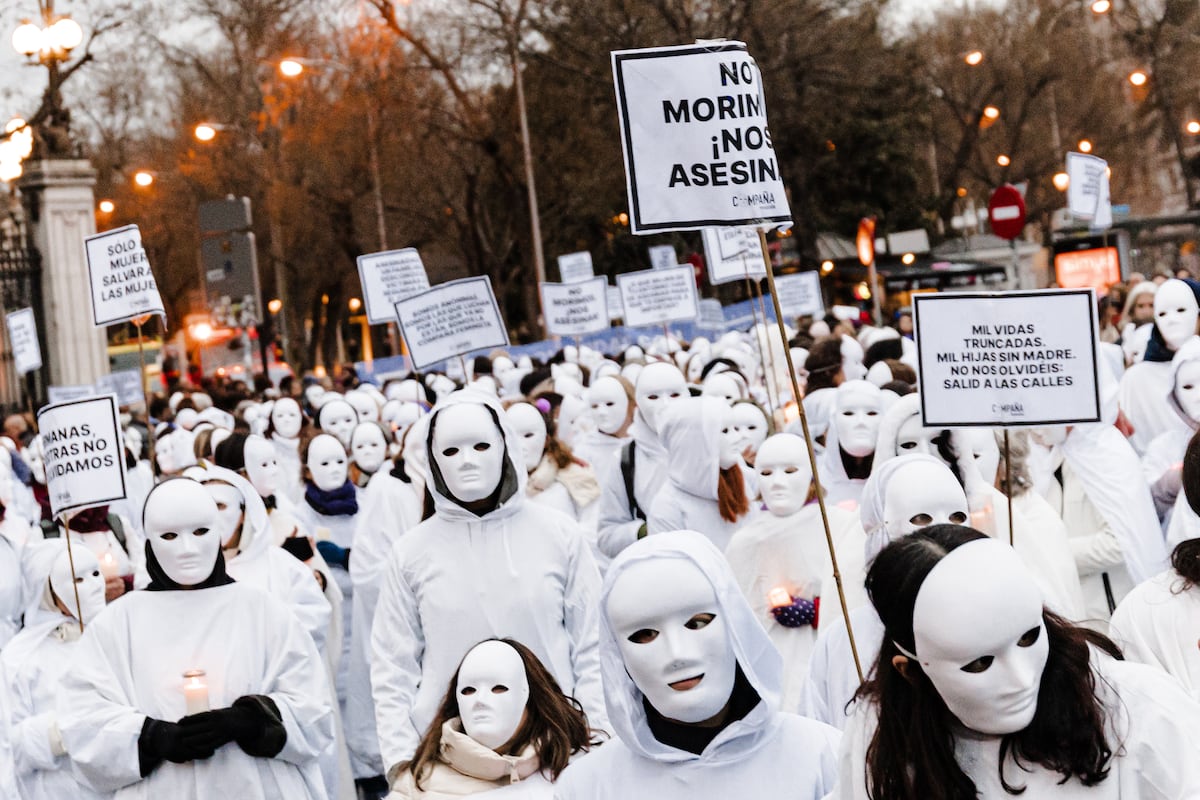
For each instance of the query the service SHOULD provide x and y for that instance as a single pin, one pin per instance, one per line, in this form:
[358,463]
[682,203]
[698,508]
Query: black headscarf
[160,581]
[505,489]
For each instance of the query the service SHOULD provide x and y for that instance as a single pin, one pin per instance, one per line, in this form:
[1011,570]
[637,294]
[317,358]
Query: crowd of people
[610,576]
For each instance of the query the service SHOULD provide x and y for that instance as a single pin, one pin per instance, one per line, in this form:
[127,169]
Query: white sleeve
[28,732]
[300,689]
[666,514]
[1096,552]
[305,598]
[617,528]
[581,616]
[397,648]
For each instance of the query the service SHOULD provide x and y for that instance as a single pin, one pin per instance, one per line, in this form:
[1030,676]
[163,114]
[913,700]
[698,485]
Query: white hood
[256,526]
[1189,351]
[757,656]
[691,433]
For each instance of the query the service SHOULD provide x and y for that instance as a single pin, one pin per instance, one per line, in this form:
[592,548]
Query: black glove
[252,721]
[299,546]
[161,741]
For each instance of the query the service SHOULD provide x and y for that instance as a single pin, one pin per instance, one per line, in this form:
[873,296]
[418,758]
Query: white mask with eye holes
[262,470]
[35,457]
[397,415]
[231,511]
[286,418]
[852,359]
[327,462]
[922,494]
[722,385]
[86,578]
[751,425]
[673,639]
[657,385]
[1175,312]
[338,418]
[913,437]
[364,405]
[857,414]
[530,427]
[989,675]
[178,520]
[610,405]
[986,452]
[784,473]
[492,692]
[368,447]
[731,443]
[468,450]
[1187,389]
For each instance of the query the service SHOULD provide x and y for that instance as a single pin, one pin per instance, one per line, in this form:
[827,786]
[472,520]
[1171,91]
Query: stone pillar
[60,211]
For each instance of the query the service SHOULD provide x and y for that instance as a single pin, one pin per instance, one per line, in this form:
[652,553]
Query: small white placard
[65,394]
[22,335]
[1088,190]
[126,385]
[657,296]
[388,277]
[733,254]
[615,309]
[451,319]
[800,294]
[712,317]
[575,267]
[572,309]
[662,256]
[84,462]
[123,286]
[1011,358]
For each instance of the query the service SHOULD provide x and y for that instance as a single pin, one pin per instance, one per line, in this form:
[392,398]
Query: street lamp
[1138,78]
[143,178]
[48,42]
[274,305]
[1061,181]
[107,206]
[1193,127]
[1003,160]
[974,58]
[291,67]
[1101,6]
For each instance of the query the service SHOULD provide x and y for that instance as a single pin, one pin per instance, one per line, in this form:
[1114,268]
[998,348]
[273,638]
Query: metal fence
[20,287]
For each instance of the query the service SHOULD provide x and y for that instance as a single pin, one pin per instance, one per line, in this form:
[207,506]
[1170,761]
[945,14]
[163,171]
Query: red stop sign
[1006,212]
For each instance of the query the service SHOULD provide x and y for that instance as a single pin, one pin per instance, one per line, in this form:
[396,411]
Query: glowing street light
[274,305]
[143,178]
[1061,181]
[1003,160]
[991,112]
[107,206]
[201,331]
[205,132]
[1193,127]
[1101,6]
[1138,78]
[1085,146]
[907,259]
[826,267]
[974,58]
[355,304]
[291,68]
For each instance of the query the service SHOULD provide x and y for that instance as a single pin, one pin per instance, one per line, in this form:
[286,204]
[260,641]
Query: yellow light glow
[1138,78]
[862,291]
[10,170]
[1085,146]
[355,304]
[1061,181]
[290,68]
[65,34]
[274,305]
[1108,172]
[1101,6]
[907,259]
[991,112]
[201,331]
[974,58]
[1193,126]
[623,217]
[1003,160]
[205,132]
[107,207]
[27,39]
[143,178]
[826,267]
[961,191]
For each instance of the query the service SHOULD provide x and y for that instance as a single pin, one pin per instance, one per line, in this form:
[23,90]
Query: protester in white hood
[692,683]
[14,533]
[287,420]
[368,451]
[488,563]
[555,477]
[850,442]
[978,691]
[630,485]
[35,660]
[1162,462]
[613,406]
[706,487]
[122,710]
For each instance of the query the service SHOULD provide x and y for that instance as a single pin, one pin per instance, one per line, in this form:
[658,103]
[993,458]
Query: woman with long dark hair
[504,720]
[1027,703]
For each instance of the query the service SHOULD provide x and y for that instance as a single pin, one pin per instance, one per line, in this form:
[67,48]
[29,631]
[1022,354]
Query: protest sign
[615,309]
[63,394]
[388,277]
[123,286]
[23,336]
[733,254]
[84,462]
[451,319]
[712,316]
[126,385]
[1088,189]
[662,256]
[575,267]
[695,139]
[1011,358]
[800,294]
[657,296]
[572,309]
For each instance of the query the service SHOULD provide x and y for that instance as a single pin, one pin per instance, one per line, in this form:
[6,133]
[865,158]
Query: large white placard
[657,296]
[712,316]
[662,256]
[388,277]
[84,464]
[23,336]
[800,294]
[1011,358]
[733,254]
[575,267]
[123,285]
[451,319]
[573,309]
[695,139]
[1088,189]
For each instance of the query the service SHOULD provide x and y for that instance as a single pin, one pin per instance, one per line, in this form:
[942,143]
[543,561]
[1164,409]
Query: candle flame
[779,597]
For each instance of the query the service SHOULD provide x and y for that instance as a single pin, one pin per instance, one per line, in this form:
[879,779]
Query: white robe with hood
[1143,387]
[840,489]
[766,754]
[1158,623]
[617,527]
[521,570]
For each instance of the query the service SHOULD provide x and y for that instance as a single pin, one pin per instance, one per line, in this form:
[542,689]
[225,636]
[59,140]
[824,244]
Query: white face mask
[405,391]
[852,359]
[657,385]
[731,443]
[922,494]
[35,457]
[501,366]
[988,674]
[574,420]
[857,417]
[262,470]
[468,449]
[750,424]
[175,452]
[1187,389]
[285,416]
[397,415]
[87,578]
[180,521]
[784,473]
[723,386]
[312,394]
[986,452]
[1175,312]
[368,446]
[338,418]
[327,463]
[913,437]
[530,428]
[673,638]
[364,405]
[492,692]
[610,405]
[231,510]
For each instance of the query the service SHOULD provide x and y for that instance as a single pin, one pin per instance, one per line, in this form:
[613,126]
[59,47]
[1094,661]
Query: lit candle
[108,566]
[779,597]
[195,691]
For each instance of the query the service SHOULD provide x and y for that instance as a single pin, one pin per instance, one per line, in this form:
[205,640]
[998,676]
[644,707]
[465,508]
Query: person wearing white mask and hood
[850,442]
[629,486]
[364,403]
[122,708]
[753,426]
[613,406]
[287,420]
[692,685]
[706,488]
[1146,383]
[35,660]
[338,418]
[488,563]
[1162,462]
[1025,703]
[368,451]
[556,478]
[781,558]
